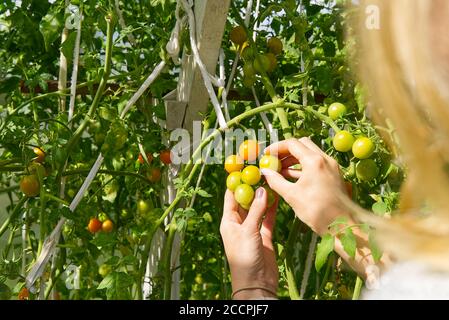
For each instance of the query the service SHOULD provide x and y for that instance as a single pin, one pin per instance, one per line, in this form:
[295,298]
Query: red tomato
[154,175]
[24,294]
[149,157]
[166,156]
[94,225]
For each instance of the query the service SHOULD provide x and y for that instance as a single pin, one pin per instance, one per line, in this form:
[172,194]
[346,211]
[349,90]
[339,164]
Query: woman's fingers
[257,210]
[278,183]
[231,208]
[312,146]
[291,173]
[295,148]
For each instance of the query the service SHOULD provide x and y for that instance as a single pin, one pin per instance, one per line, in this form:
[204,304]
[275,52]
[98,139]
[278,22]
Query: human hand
[315,195]
[247,238]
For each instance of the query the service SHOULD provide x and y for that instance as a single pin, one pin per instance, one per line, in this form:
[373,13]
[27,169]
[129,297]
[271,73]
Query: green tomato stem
[357,288]
[12,169]
[166,259]
[13,215]
[13,188]
[291,281]
[324,118]
[9,244]
[110,172]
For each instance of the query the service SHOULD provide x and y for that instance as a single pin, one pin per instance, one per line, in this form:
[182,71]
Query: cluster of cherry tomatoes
[102,223]
[243,179]
[362,147]
[154,173]
[254,61]
[29,184]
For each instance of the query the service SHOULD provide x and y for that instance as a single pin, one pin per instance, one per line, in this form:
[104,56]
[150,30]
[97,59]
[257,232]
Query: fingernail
[259,192]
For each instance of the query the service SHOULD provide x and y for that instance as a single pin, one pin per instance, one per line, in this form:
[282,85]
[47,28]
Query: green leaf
[375,250]
[129,260]
[107,282]
[68,46]
[349,242]
[380,208]
[117,285]
[324,248]
[203,193]
[103,240]
[50,29]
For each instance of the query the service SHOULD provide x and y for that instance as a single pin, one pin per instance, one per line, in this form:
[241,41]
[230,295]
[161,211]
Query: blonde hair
[405,66]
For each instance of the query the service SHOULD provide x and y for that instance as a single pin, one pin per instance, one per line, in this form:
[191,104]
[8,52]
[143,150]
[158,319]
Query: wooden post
[210,17]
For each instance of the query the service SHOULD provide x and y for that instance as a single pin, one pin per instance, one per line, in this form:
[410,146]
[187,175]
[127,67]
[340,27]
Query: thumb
[258,208]
[277,182]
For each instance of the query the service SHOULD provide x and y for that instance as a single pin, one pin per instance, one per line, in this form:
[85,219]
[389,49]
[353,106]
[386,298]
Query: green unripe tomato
[343,141]
[336,110]
[251,175]
[270,162]
[234,180]
[244,194]
[104,270]
[249,82]
[262,63]
[367,170]
[143,207]
[124,214]
[102,217]
[363,148]
[248,53]
[207,217]
[248,70]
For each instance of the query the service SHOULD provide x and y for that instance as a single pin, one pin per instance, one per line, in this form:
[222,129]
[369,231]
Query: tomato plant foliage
[310,71]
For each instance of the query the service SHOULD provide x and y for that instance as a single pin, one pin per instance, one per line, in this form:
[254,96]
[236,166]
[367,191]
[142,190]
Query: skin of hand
[247,238]
[314,195]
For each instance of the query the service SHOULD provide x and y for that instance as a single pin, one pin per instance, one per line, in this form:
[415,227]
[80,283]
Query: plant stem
[110,172]
[166,258]
[53,280]
[324,118]
[292,287]
[357,288]
[13,215]
[8,189]
[54,198]
[12,169]
[330,262]
[9,244]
